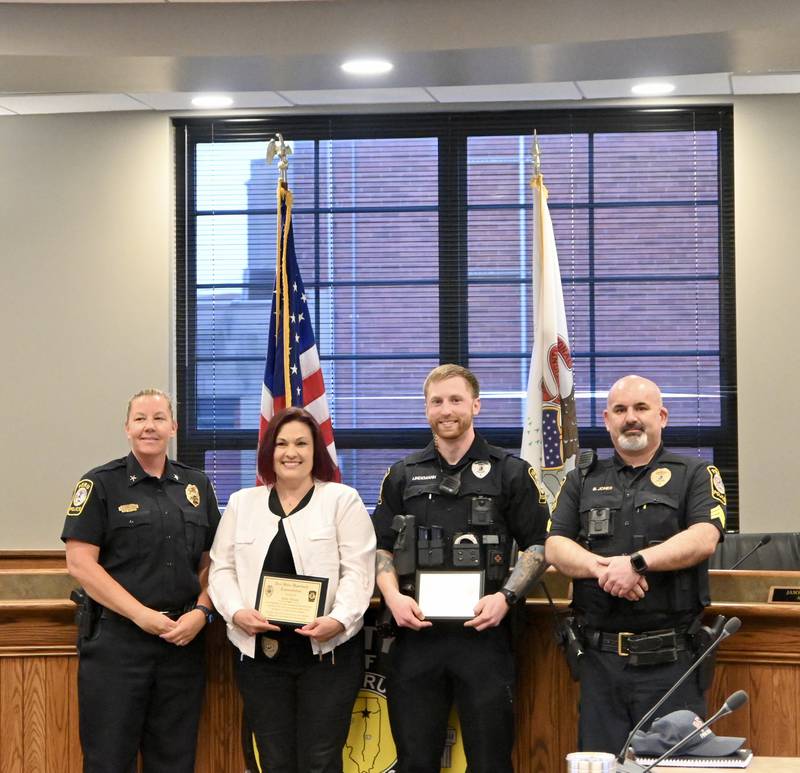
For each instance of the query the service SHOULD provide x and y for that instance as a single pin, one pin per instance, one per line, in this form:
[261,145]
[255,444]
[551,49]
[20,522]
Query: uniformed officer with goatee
[455,508]
[635,531]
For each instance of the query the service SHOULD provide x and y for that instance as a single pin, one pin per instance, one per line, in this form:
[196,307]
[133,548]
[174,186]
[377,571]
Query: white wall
[767,180]
[86,266]
[86,235]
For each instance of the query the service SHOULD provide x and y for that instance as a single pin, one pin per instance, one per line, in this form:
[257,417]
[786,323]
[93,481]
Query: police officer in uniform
[635,531]
[456,505]
[137,534]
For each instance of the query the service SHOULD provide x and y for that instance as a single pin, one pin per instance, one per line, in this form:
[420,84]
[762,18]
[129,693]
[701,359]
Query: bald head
[634,417]
[637,385]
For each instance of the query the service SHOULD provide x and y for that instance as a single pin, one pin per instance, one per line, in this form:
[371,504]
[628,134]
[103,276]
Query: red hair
[323,467]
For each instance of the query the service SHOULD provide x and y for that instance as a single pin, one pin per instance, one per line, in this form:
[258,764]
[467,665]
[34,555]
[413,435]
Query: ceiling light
[653,89]
[367,66]
[211,101]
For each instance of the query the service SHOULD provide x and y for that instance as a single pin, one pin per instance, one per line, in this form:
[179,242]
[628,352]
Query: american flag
[550,432]
[293,375]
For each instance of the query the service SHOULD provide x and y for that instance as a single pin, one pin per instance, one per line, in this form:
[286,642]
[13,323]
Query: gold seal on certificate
[449,595]
[291,599]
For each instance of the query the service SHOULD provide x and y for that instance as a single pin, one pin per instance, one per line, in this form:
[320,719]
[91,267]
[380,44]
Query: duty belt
[644,649]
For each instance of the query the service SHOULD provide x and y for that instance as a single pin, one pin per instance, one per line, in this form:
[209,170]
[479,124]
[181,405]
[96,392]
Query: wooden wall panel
[11,724]
[35,730]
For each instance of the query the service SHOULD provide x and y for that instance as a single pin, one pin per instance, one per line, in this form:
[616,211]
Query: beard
[455,430]
[632,442]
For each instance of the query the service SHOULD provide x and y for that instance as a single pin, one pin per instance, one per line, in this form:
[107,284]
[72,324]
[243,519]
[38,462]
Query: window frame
[453,131]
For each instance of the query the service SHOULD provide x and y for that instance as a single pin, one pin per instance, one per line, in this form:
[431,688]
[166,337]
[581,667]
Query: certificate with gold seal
[291,599]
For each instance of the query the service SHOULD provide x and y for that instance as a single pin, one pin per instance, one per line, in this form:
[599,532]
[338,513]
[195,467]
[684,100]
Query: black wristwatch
[206,611]
[639,563]
[511,597]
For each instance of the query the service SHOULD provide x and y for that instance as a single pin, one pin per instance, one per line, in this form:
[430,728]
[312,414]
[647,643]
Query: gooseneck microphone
[730,628]
[739,698]
[765,540]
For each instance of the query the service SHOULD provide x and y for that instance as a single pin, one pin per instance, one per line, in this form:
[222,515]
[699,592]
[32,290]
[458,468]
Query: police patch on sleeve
[717,486]
[80,496]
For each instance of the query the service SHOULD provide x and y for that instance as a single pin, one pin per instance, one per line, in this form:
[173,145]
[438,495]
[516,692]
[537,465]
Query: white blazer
[332,536]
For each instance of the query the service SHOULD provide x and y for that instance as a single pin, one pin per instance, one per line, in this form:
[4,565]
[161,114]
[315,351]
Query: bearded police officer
[635,532]
[137,536]
[456,506]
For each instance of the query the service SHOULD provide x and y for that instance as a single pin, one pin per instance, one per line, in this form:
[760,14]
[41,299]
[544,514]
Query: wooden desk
[758,765]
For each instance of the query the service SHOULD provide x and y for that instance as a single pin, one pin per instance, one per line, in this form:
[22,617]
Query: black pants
[432,668]
[136,691]
[616,695]
[299,706]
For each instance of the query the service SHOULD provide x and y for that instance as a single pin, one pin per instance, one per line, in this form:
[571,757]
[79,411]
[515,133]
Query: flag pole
[278,148]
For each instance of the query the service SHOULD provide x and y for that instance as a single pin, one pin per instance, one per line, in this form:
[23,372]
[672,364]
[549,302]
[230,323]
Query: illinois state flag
[550,432]
[293,375]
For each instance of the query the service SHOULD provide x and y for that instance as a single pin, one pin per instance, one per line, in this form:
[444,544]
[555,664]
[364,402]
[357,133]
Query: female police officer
[137,534]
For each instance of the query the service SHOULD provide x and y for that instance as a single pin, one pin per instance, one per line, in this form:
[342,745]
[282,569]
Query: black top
[411,487]
[647,505]
[279,559]
[151,531]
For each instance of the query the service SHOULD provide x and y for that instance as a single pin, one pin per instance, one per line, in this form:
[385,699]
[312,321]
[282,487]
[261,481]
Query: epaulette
[587,458]
[114,464]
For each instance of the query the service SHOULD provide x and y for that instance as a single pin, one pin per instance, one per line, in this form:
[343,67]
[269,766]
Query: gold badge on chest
[660,477]
[193,495]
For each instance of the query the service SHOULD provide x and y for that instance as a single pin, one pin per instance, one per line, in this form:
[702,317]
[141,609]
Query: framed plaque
[449,595]
[291,599]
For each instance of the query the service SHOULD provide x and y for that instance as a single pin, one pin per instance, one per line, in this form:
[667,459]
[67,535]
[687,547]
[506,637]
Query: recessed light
[653,89]
[211,101]
[367,66]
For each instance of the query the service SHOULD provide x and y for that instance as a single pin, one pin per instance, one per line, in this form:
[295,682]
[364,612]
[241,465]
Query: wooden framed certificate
[449,595]
[291,599]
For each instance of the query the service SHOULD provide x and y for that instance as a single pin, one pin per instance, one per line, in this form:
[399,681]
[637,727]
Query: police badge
[193,495]
[481,469]
[661,476]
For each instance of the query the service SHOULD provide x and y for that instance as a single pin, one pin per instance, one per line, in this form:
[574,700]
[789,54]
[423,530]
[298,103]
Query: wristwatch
[206,611]
[511,597]
[639,563]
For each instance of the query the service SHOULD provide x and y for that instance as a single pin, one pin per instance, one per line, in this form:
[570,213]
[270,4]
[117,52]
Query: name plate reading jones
[784,594]
[291,599]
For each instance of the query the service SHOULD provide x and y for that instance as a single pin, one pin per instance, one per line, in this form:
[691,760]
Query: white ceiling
[89,57]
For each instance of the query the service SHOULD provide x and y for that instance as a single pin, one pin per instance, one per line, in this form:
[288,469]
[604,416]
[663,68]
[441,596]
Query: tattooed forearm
[384,562]
[530,567]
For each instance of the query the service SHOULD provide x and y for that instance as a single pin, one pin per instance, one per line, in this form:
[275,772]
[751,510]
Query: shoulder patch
[80,496]
[717,486]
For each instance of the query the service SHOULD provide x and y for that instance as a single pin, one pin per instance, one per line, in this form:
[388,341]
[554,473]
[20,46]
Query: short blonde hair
[450,371]
[151,392]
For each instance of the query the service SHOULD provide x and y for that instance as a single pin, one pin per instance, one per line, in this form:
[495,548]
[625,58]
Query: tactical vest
[465,506]
[639,514]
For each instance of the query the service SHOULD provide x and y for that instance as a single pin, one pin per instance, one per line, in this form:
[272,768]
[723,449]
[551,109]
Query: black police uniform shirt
[646,505]
[412,487]
[151,532]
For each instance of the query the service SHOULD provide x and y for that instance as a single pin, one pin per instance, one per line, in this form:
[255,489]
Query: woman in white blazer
[298,684]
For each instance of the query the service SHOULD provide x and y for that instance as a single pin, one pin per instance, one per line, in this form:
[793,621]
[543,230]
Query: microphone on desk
[735,701]
[730,628]
[765,540]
